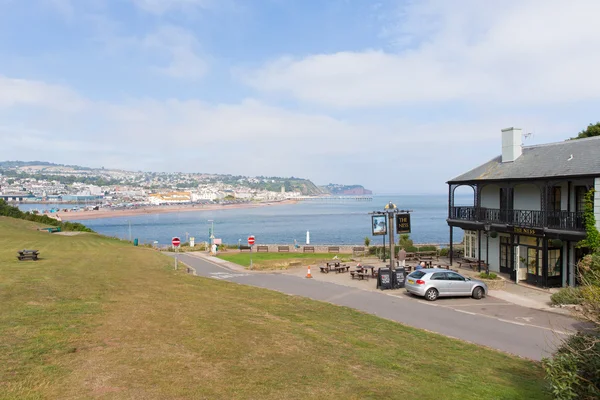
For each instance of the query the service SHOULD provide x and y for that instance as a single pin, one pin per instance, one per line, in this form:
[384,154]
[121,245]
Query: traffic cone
[308,275]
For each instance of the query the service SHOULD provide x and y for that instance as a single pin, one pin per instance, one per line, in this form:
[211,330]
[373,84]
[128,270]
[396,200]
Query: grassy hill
[99,318]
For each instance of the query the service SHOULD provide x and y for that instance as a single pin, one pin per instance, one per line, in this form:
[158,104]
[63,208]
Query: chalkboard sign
[384,279]
[399,275]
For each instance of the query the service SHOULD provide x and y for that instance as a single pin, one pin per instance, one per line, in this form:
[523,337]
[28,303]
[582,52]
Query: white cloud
[163,6]
[17,92]
[181,49]
[511,52]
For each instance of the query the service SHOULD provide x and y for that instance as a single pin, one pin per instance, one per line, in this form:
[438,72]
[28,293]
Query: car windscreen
[417,274]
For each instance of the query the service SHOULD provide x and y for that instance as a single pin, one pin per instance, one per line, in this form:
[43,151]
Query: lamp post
[487,228]
[212,232]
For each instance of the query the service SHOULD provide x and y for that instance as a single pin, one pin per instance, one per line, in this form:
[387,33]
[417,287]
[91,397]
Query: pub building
[526,214]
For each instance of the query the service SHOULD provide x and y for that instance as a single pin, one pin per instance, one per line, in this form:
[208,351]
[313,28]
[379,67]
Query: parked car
[432,283]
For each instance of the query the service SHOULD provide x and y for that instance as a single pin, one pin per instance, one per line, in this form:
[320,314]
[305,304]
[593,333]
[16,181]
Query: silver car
[432,283]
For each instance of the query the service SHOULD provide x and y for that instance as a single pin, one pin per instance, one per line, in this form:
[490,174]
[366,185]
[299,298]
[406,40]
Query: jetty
[333,199]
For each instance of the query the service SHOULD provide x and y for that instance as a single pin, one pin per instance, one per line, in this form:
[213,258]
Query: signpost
[402,223]
[251,243]
[176,242]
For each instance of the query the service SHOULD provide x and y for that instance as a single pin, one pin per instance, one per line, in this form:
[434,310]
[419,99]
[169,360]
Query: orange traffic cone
[308,275]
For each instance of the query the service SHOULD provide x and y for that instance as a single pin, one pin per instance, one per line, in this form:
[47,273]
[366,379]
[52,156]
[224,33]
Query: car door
[459,286]
[441,283]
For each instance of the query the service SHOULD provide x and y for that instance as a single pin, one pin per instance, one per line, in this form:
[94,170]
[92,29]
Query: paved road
[489,322]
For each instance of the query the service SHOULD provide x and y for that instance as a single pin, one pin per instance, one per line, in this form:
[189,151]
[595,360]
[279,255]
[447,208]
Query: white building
[526,217]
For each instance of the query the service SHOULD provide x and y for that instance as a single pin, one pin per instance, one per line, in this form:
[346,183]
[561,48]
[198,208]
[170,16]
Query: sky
[398,96]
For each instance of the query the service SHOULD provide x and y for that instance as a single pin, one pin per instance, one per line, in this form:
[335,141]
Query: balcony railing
[564,220]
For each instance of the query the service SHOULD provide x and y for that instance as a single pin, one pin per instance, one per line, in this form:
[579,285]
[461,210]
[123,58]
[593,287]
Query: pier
[332,199]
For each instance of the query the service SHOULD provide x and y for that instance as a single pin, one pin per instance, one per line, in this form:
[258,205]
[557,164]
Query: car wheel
[478,292]
[431,294]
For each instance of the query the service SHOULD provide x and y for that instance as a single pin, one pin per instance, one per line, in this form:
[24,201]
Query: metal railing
[565,220]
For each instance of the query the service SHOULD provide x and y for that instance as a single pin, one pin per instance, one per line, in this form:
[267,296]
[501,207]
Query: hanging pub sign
[379,224]
[402,223]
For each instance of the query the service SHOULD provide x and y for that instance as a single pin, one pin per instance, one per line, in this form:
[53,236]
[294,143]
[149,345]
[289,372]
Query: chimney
[511,144]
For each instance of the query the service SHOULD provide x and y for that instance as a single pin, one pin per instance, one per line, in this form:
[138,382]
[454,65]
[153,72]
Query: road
[489,322]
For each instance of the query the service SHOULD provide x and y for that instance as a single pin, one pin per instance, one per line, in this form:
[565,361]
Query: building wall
[597,202]
[494,252]
[527,197]
[490,196]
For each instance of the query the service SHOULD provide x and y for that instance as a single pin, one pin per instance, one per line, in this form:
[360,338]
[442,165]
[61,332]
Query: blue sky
[398,96]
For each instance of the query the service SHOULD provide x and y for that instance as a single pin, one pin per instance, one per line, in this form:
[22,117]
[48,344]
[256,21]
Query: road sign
[250,240]
[175,242]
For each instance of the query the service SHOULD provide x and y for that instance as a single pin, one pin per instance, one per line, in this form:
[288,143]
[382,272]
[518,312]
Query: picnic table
[28,255]
[360,274]
[365,269]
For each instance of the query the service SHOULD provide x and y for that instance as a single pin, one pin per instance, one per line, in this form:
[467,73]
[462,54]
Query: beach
[128,212]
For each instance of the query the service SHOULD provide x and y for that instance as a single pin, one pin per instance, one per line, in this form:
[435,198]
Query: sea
[345,222]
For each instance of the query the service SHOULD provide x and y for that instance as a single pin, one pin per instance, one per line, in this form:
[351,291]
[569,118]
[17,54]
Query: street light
[212,232]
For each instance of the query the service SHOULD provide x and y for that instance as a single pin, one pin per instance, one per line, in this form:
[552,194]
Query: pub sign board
[402,223]
[527,231]
[379,225]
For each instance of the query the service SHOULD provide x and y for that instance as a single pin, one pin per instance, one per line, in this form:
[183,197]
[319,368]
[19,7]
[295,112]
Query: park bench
[360,275]
[28,255]
[359,250]
[342,268]
[245,247]
[51,229]
[324,269]
[333,249]
[309,249]
[283,249]
[260,249]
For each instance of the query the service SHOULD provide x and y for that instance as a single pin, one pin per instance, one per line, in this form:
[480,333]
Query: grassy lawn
[278,260]
[96,318]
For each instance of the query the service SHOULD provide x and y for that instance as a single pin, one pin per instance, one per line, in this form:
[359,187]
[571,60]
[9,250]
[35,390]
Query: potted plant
[492,280]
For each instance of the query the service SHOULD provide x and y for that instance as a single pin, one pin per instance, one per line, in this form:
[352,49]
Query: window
[580,192]
[554,262]
[470,241]
[417,275]
[453,276]
[438,276]
[555,197]
[504,251]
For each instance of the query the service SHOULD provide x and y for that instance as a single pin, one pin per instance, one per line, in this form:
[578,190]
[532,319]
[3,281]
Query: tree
[590,131]
[367,241]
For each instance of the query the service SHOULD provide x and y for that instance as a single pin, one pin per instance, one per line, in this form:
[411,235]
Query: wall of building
[490,196]
[494,252]
[597,202]
[527,197]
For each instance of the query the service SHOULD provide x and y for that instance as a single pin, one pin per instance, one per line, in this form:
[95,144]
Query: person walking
[402,257]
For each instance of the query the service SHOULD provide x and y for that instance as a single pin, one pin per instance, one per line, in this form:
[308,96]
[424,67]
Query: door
[555,267]
[534,266]
[458,284]
[441,283]
[505,264]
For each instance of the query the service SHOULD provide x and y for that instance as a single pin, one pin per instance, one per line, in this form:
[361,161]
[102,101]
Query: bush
[444,252]
[573,371]
[13,212]
[491,275]
[567,295]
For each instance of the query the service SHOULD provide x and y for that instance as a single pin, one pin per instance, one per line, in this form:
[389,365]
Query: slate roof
[542,161]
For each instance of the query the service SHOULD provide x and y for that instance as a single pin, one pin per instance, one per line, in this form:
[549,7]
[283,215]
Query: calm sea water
[345,222]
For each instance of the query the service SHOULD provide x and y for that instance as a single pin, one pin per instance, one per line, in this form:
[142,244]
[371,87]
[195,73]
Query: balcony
[562,220]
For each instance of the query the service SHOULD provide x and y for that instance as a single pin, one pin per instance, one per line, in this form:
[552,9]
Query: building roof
[580,157]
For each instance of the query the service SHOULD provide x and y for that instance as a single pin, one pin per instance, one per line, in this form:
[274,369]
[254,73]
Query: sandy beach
[109,213]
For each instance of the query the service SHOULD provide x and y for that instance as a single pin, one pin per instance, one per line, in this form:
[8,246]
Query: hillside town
[38,182]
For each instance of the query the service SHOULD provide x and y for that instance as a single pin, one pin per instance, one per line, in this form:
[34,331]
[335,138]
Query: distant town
[43,182]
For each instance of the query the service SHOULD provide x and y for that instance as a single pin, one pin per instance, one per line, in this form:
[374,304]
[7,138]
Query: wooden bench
[359,250]
[324,268]
[342,268]
[333,249]
[261,249]
[28,255]
[283,249]
[360,275]
[245,247]
[309,249]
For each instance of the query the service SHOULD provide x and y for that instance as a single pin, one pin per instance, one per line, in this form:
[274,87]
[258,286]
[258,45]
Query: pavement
[510,322]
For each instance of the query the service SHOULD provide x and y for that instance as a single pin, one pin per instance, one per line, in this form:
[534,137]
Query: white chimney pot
[512,146]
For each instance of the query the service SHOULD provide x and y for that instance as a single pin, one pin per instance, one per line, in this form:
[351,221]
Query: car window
[417,274]
[454,276]
[438,276]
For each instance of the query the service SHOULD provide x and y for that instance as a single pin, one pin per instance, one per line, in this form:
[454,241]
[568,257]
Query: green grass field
[97,318]
[278,260]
